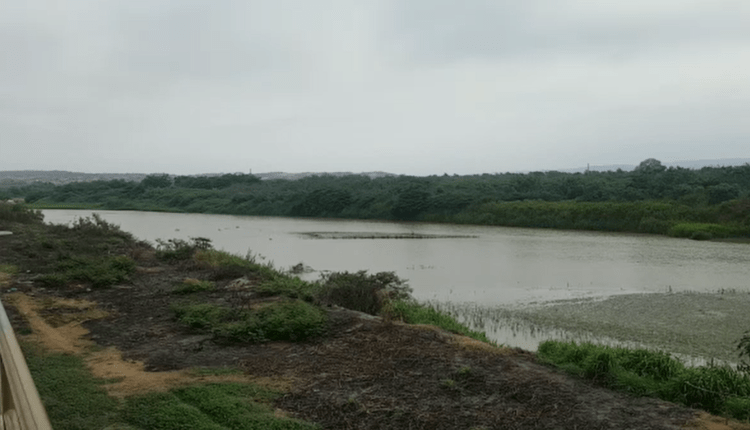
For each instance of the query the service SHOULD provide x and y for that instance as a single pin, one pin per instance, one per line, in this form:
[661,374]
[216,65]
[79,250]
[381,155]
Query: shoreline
[697,325]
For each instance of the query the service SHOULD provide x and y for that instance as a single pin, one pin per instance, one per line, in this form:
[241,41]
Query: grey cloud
[447,30]
[195,40]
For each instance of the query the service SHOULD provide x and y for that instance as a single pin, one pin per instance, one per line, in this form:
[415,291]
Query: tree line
[652,198]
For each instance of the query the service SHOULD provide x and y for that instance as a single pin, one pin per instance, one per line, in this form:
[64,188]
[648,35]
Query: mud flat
[700,326]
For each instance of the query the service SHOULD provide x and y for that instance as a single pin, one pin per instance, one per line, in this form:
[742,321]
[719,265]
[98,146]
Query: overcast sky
[405,86]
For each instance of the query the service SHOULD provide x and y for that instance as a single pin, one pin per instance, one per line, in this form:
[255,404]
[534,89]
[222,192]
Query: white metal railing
[20,406]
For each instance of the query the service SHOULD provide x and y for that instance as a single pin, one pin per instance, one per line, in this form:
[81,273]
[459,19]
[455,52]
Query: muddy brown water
[499,274]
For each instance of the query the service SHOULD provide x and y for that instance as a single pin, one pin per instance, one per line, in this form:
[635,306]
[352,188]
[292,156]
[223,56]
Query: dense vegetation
[704,203]
[714,388]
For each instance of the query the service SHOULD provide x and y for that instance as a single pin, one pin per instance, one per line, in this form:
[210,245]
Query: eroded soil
[363,374]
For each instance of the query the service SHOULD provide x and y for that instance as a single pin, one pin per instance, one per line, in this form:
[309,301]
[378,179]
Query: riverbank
[146,322]
[702,205]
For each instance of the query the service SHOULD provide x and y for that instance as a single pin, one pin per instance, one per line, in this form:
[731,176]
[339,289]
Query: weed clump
[292,320]
[287,320]
[95,225]
[412,312]
[293,288]
[190,286]
[98,272]
[209,407]
[224,265]
[362,292]
[173,250]
[743,348]
[10,269]
[716,389]
[18,213]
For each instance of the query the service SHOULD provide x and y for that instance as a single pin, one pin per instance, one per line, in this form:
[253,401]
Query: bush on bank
[716,389]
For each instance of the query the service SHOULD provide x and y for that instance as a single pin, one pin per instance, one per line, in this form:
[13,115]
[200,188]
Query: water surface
[479,264]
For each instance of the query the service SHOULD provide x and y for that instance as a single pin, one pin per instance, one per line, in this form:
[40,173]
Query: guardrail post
[21,407]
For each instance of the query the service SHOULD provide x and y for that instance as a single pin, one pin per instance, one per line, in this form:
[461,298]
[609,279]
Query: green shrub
[224,265]
[415,313]
[737,407]
[743,348]
[193,286]
[704,231]
[179,249]
[294,320]
[716,389]
[654,226]
[54,280]
[290,320]
[362,292]
[202,315]
[657,365]
[19,213]
[98,272]
[708,387]
[294,288]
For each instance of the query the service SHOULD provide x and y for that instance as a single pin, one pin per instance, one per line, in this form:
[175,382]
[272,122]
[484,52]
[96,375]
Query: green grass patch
[226,266]
[716,389]
[292,320]
[202,315]
[415,313]
[291,287]
[10,269]
[209,407]
[74,399]
[99,272]
[193,286]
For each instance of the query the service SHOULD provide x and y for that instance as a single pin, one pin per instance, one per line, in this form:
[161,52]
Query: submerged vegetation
[712,202]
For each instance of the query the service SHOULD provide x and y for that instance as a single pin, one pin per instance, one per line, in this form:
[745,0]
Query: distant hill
[688,164]
[12,178]
[293,176]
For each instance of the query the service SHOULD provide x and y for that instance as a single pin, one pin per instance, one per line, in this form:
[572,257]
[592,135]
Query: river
[484,266]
